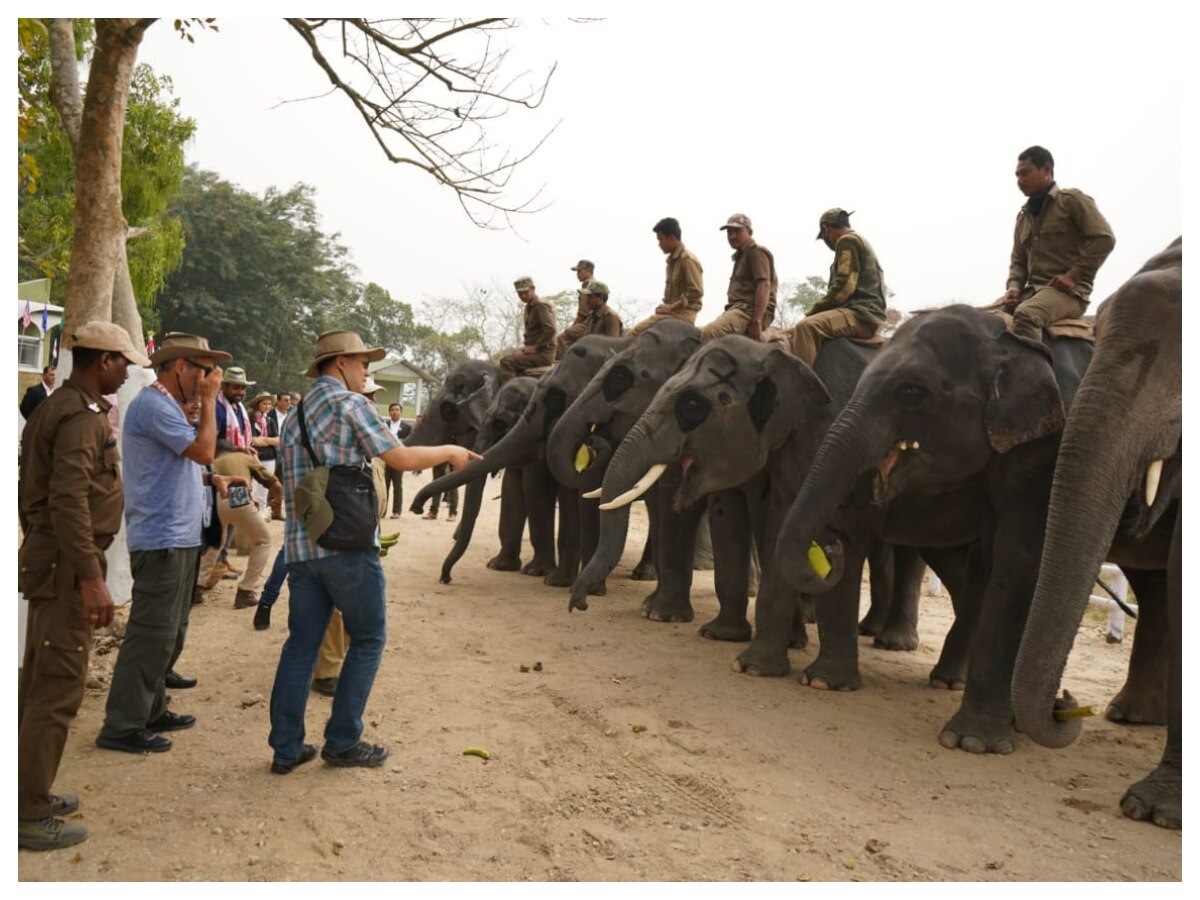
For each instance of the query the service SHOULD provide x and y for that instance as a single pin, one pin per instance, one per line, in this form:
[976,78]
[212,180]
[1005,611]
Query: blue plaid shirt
[345,430]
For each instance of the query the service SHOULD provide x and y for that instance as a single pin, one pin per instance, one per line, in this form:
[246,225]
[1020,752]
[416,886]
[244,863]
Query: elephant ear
[802,386]
[1023,403]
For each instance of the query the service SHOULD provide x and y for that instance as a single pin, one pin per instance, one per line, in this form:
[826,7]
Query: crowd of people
[191,450]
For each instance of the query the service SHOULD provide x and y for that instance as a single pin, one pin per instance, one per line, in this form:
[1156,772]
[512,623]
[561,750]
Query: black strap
[304,435]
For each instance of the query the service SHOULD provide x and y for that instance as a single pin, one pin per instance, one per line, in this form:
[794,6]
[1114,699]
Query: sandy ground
[635,753]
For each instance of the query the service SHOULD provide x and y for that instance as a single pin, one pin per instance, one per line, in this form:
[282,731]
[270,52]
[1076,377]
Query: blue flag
[45,317]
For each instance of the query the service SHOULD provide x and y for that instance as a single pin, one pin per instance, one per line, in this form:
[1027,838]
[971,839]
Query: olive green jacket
[855,280]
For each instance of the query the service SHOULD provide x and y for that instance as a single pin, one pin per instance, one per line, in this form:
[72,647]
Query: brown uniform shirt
[70,477]
[685,280]
[603,321]
[1068,237]
[540,327]
[752,264]
[238,463]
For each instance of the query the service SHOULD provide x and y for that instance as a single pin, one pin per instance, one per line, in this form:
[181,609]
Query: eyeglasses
[207,370]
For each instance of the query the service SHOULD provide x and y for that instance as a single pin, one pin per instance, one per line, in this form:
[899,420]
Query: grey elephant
[1118,495]
[951,435]
[523,444]
[742,421]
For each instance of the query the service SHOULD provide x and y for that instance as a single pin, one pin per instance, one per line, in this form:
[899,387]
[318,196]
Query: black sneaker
[262,617]
[176,682]
[139,742]
[307,753]
[326,686]
[360,754]
[170,721]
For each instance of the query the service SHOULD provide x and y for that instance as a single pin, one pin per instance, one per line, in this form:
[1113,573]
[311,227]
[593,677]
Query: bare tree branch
[426,107]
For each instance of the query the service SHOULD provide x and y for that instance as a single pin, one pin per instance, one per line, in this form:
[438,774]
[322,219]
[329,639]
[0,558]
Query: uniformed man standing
[855,304]
[584,270]
[752,285]
[684,291]
[540,330]
[1059,243]
[70,507]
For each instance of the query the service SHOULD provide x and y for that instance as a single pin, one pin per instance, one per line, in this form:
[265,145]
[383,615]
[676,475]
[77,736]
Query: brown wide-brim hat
[259,398]
[176,344]
[341,343]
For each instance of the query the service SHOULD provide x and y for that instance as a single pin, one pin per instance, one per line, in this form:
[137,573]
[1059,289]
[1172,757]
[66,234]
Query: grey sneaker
[48,834]
[63,804]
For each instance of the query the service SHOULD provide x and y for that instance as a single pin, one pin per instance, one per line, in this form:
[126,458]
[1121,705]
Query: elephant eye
[449,411]
[618,380]
[691,409]
[911,394]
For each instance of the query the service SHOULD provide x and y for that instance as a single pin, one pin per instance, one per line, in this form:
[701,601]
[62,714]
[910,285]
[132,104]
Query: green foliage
[806,293]
[152,169]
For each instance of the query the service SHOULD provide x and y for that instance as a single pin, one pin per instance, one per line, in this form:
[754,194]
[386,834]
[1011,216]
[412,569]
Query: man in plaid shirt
[344,429]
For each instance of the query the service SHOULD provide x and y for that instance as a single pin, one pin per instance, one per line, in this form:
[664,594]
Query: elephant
[1117,495]
[457,414]
[742,420]
[593,425]
[951,436]
[523,444]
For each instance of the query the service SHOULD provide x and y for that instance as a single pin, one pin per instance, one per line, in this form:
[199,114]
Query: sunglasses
[207,370]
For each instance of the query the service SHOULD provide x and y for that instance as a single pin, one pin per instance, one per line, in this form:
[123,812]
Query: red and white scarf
[236,434]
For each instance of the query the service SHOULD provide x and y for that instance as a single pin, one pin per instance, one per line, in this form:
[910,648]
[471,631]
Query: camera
[238,496]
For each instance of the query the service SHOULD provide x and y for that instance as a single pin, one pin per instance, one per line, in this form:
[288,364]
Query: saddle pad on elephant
[1079,329]
[537,371]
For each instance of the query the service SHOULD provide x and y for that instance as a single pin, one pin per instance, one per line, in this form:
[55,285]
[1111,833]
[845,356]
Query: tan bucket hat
[341,343]
[176,344]
[236,375]
[258,398]
[110,337]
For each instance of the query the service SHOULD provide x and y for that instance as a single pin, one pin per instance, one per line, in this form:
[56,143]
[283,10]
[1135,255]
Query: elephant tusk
[1153,476]
[594,495]
[643,484]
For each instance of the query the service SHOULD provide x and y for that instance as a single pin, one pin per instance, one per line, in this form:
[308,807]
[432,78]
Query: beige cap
[110,337]
[592,286]
[341,343]
[737,220]
[524,283]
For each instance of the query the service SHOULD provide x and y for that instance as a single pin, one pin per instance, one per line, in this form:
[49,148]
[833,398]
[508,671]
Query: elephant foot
[897,637]
[559,578]
[826,675]
[1158,797]
[1138,707]
[599,589]
[947,679]
[799,639]
[763,662]
[726,629]
[537,568]
[873,622]
[979,733]
[806,609]
[657,609]
[644,572]
[502,563]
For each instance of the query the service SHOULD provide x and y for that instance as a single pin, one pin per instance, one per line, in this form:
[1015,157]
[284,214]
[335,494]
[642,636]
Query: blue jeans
[354,583]
[274,582]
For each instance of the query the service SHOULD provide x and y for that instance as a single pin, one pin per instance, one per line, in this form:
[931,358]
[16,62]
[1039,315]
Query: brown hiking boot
[244,599]
[48,834]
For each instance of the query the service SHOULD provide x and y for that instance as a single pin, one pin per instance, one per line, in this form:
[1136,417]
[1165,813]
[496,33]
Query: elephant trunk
[650,444]
[515,448]
[614,528]
[577,456]
[472,500]
[855,442]
[1094,477]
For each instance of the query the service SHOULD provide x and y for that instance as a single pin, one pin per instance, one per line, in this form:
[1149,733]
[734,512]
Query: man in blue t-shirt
[162,455]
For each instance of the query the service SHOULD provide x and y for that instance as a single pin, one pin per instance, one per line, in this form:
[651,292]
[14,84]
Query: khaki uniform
[683,293]
[575,330]
[752,264]
[540,331]
[70,507]
[1068,236]
[246,519]
[854,305]
[603,321]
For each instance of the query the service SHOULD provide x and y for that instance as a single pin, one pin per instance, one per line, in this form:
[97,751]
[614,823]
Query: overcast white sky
[910,114]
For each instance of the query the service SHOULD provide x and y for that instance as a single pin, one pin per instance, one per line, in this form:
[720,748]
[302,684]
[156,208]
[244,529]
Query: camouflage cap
[834,218]
[584,264]
[592,286]
[110,337]
[524,283]
[737,220]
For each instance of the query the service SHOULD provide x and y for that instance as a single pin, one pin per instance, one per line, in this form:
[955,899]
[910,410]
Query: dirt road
[635,753]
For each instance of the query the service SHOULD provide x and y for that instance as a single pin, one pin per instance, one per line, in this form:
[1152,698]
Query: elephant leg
[646,570]
[568,541]
[1144,698]
[964,577]
[836,665]
[1159,796]
[729,521]
[676,536]
[703,557]
[899,631]
[512,522]
[882,569]
[540,495]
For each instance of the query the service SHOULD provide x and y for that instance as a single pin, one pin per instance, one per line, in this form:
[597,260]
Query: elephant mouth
[888,464]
